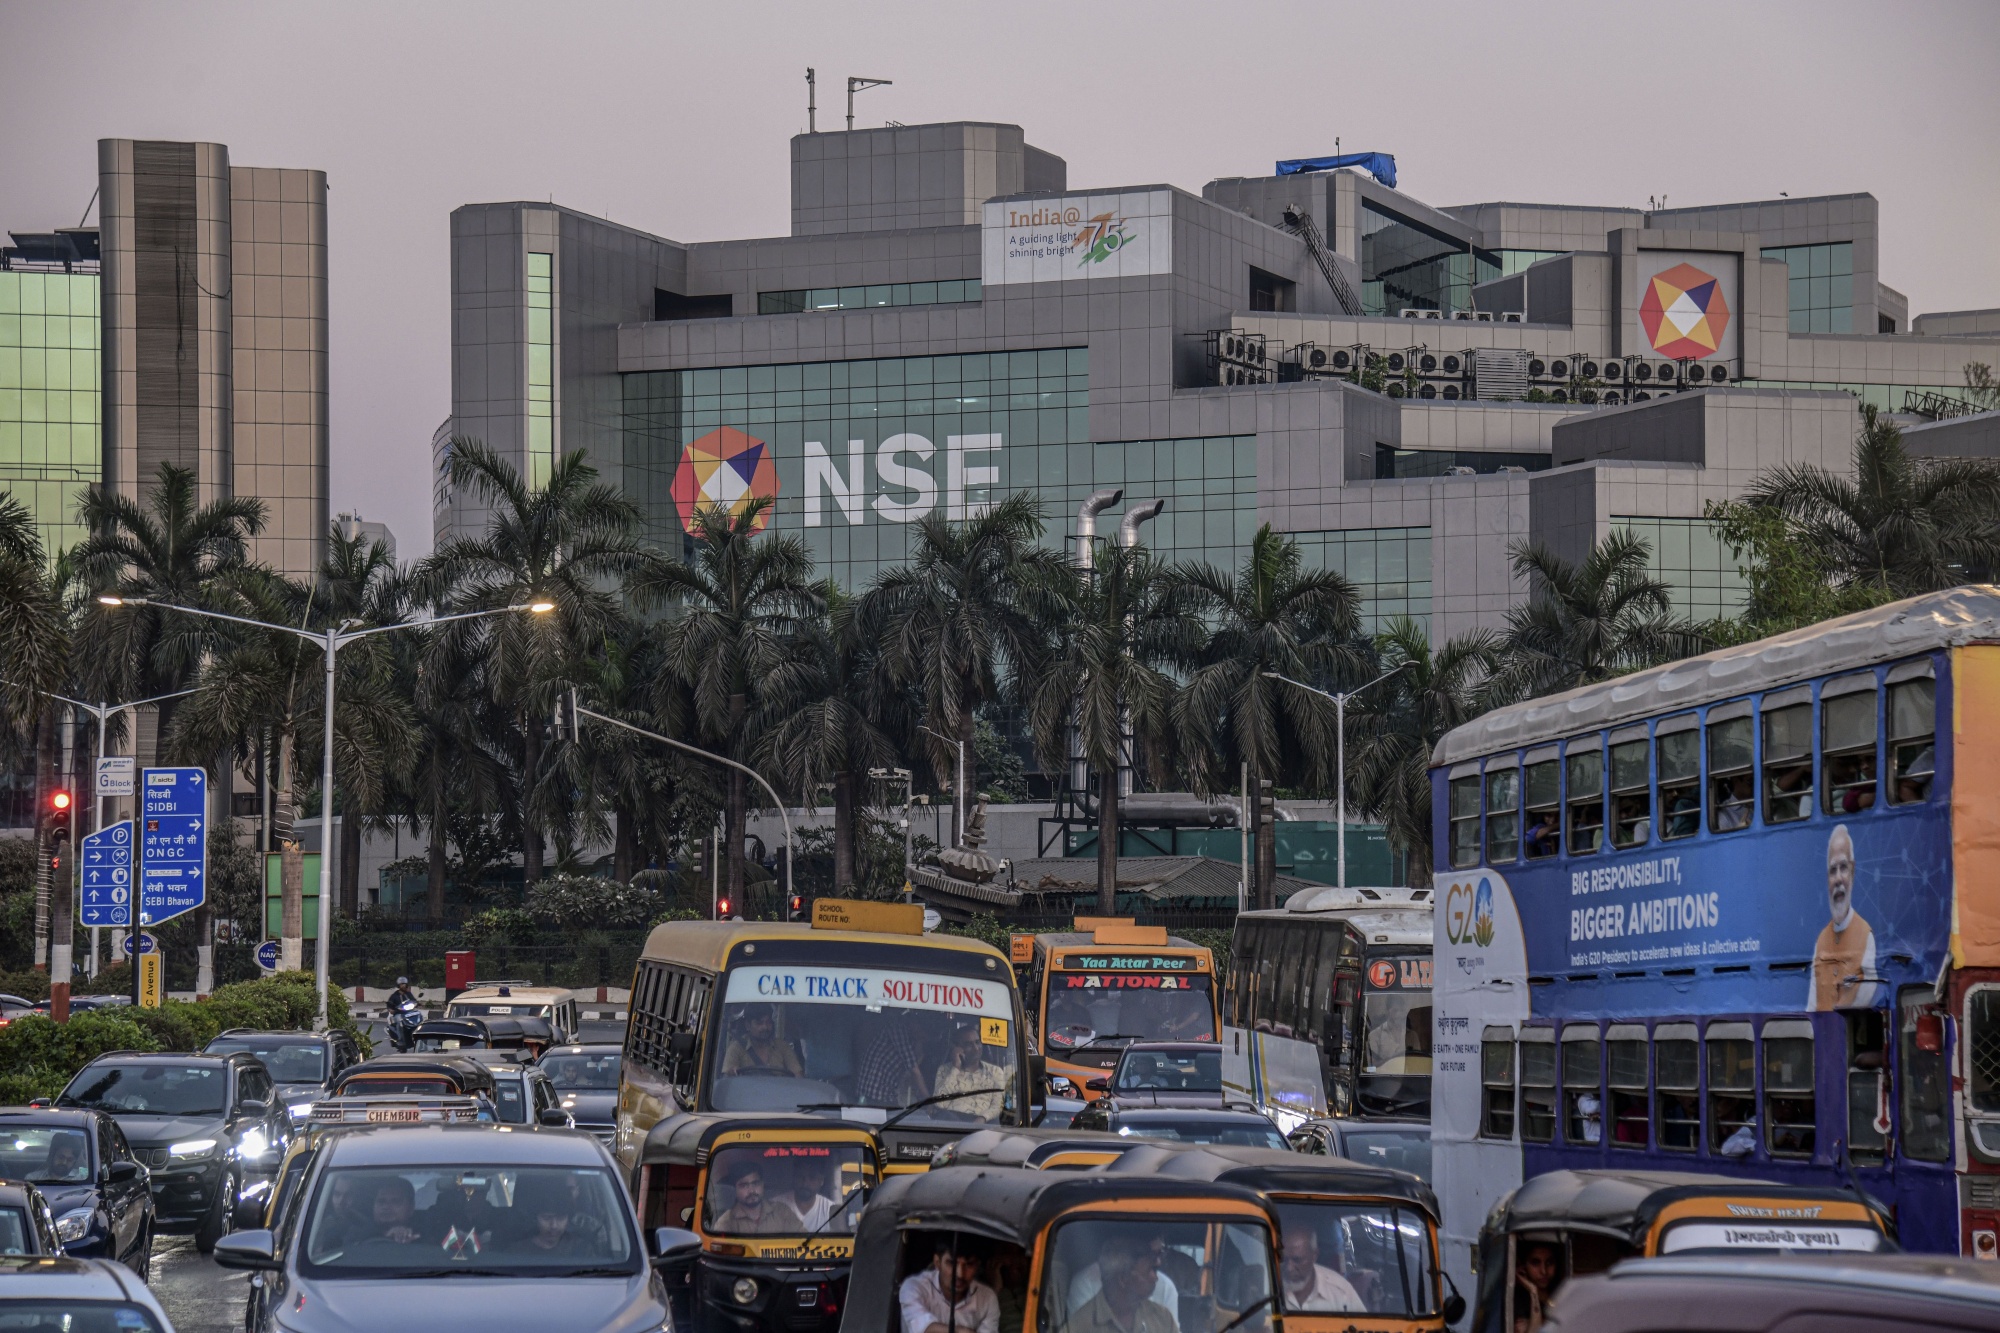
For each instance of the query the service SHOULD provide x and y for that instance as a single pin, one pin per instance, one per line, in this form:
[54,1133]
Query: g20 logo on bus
[1468,914]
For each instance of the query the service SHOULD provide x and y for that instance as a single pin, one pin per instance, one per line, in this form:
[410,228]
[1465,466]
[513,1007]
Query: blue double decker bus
[1737,915]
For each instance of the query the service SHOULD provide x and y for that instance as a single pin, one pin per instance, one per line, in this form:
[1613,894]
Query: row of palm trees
[1170,671]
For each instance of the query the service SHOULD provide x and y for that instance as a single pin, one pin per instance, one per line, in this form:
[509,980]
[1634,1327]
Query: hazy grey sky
[675,119]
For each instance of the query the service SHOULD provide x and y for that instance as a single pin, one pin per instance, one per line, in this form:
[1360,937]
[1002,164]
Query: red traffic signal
[61,808]
[722,909]
[60,802]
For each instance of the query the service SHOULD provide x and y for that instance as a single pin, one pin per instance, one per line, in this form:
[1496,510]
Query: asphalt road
[199,1296]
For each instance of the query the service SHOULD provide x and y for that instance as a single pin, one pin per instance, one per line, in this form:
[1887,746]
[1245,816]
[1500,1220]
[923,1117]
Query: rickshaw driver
[949,1295]
[755,1045]
[1309,1286]
[1130,1271]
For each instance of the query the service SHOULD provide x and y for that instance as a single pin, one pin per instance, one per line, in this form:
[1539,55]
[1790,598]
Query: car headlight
[301,1110]
[192,1149]
[74,1224]
[253,1144]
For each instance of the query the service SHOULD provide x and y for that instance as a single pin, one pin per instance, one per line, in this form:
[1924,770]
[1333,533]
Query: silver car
[458,1226]
[40,1294]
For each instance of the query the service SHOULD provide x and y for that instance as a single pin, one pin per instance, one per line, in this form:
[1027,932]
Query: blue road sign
[173,843]
[267,955]
[107,876]
[147,944]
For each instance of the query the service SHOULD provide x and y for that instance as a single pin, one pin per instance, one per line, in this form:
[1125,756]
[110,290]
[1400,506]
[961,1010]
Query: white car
[57,1294]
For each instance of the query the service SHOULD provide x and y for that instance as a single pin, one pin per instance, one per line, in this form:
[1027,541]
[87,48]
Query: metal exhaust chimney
[1128,531]
[1086,521]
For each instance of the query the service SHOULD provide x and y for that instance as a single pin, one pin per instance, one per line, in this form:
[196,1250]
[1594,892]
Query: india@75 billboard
[1118,234]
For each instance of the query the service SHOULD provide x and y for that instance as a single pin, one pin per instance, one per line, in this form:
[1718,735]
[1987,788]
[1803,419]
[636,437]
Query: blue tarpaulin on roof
[1382,166]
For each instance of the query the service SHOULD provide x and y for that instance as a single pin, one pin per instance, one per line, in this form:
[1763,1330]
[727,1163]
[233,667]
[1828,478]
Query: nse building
[1406,389]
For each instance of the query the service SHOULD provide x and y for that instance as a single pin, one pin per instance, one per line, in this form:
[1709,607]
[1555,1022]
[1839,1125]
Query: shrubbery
[38,1056]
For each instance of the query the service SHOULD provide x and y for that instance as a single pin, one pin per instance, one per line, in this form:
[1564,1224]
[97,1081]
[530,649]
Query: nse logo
[1468,914]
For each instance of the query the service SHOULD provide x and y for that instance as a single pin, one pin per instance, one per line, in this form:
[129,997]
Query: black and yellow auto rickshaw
[1358,1244]
[1569,1223]
[418,1073]
[1036,1149]
[1063,1252]
[774,1199]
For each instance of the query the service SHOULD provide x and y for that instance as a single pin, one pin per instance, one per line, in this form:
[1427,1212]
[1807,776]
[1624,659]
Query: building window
[1389,567]
[51,398]
[1625,1081]
[1704,577]
[1585,775]
[1268,291]
[1631,793]
[1847,751]
[1788,766]
[1538,1085]
[1788,1088]
[1677,1087]
[1822,285]
[1516,261]
[1583,1069]
[1680,779]
[1496,1065]
[1542,789]
[1912,739]
[808,300]
[1408,265]
[1729,796]
[1393,464]
[541,369]
[1465,821]
[1503,814]
[1732,1090]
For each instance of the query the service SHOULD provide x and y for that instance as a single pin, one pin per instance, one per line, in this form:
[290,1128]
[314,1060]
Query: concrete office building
[951,320]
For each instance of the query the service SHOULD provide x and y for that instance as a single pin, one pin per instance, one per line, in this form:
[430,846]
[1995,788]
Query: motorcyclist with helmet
[404,1014]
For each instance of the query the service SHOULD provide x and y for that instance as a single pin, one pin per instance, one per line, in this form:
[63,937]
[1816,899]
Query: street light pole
[1339,749]
[330,643]
[957,786]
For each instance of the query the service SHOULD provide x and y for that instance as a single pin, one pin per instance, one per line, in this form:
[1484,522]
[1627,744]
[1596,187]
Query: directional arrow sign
[107,877]
[173,843]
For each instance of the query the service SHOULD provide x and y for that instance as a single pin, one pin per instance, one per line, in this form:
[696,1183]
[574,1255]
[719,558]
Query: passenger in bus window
[1843,968]
[1732,812]
[1544,827]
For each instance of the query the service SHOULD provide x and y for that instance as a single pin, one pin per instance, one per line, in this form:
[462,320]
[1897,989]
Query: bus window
[1538,1085]
[1680,783]
[1926,1133]
[1867,1082]
[1284,1004]
[1542,790]
[1585,773]
[1631,794]
[1788,1088]
[1503,814]
[1729,775]
[1847,749]
[1912,740]
[1398,1032]
[1677,1087]
[1732,1090]
[1788,775]
[1982,1040]
[1465,821]
[1496,1064]
[1583,1069]
[1625,1081]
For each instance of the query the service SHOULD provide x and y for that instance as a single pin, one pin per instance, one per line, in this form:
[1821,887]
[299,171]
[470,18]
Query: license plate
[395,1116]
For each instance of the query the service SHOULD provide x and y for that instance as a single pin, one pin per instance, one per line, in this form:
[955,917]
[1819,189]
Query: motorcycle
[404,1016]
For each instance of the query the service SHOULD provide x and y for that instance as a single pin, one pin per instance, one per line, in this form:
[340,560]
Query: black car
[1402,1144]
[1165,1073]
[1239,1125]
[96,1188]
[26,1226]
[586,1080]
[301,1064]
[209,1128]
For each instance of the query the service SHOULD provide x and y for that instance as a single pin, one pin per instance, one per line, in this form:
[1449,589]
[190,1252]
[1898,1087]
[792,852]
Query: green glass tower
[51,395]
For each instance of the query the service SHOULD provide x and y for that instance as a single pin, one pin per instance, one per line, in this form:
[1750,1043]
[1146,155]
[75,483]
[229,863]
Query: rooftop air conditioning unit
[1460,472]
[1511,468]
[1464,315]
[1718,374]
[1312,358]
[1513,317]
[1411,313]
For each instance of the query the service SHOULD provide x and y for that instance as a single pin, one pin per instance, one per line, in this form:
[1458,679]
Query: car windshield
[587,1072]
[799,1189]
[798,1036]
[17,1236]
[1247,1132]
[19,1315]
[498,1009]
[44,1155]
[1169,1071]
[1372,1258]
[1403,1149]
[149,1089]
[435,1042]
[290,1061]
[1398,1040]
[491,1221]
[1186,1276]
[1116,1009]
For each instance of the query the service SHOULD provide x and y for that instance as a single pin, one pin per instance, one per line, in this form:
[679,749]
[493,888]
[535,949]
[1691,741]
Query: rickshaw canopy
[690,1139]
[1272,1171]
[1625,1204]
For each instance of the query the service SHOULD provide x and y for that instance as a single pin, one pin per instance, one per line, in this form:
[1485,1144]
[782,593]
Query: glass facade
[1822,285]
[1887,397]
[541,369]
[1513,261]
[1390,567]
[1707,578]
[1393,464]
[51,397]
[1408,266]
[805,300]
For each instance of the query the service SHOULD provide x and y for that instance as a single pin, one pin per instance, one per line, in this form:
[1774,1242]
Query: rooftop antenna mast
[854,86]
[812,101]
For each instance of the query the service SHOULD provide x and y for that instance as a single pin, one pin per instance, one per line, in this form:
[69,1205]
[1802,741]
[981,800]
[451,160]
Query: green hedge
[38,1056]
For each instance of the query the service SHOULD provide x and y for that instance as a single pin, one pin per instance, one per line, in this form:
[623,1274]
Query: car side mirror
[672,1245]
[1454,1308]
[252,1107]
[120,1172]
[1097,1085]
[680,1045]
[256,1250]
[556,1118]
[41,1103]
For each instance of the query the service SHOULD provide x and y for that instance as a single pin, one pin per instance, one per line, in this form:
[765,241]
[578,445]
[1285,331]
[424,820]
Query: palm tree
[1591,620]
[568,542]
[1272,616]
[1902,524]
[1393,728]
[958,618]
[731,645]
[1129,624]
[34,628]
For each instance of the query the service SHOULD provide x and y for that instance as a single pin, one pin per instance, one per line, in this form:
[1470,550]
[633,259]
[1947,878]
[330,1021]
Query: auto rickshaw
[456,1034]
[1569,1223]
[417,1073]
[1036,1149]
[1358,1244]
[774,1199]
[1066,1252]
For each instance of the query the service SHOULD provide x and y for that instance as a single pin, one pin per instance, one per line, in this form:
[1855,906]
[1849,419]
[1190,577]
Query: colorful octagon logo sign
[728,468]
[1684,312]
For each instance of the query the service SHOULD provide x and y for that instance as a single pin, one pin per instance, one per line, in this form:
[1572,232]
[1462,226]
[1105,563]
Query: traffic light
[795,910]
[722,912]
[62,805]
[694,856]
[1267,803]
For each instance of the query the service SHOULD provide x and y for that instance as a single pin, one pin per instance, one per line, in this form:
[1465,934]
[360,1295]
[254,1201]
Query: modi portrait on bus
[1843,961]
